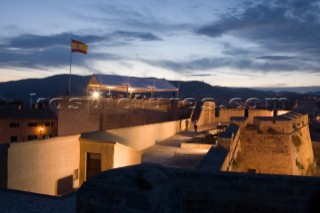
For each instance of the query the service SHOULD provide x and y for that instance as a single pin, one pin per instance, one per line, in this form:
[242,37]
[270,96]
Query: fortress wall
[44,166]
[207,115]
[118,119]
[316,152]
[233,147]
[200,190]
[76,121]
[282,147]
[125,156]
[241,124]
[226,114]
[88,116]
[304,151]
[265,153]
[281,126]
[258,113]
[144,136]
[227,192]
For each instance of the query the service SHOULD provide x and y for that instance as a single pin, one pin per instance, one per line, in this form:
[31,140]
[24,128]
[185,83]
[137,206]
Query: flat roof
[13,112]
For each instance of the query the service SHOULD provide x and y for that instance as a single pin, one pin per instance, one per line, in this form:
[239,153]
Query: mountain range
[57,85]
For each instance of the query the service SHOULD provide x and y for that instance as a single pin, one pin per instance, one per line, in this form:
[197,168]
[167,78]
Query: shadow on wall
[4,165]
[65,185]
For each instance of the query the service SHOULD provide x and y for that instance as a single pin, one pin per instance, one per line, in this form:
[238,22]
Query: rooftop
[13,112]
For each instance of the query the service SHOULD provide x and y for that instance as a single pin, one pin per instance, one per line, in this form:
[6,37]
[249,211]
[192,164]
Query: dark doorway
[93,164]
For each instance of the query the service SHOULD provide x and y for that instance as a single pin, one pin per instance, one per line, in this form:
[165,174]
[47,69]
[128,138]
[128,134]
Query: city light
[95,94]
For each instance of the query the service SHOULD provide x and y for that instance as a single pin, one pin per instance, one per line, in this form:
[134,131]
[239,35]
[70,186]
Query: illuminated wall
[226,114]
[280,126]
[58,165]
[144,136]
[46,167]
[279,146]
[125,156]
[114,113]
[112,154]
[207,115]
[258,113]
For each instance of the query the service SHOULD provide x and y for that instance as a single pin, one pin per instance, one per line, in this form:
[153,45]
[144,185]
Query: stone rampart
[244,192]
[195,190]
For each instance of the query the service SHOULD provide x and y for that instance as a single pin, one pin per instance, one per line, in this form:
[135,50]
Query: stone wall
[258,113]
[276,153]
[113,113]
[243,192]
[242,123]
[226,114]
[280,126]
[125,156]
[144,136]
[265,153]
[316,152]
[196,190]
[304,151]
[207,114]
[45,166]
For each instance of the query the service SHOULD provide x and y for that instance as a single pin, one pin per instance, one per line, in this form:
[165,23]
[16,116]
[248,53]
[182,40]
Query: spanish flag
[77,46]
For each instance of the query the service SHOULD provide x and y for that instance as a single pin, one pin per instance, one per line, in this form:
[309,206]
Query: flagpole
[69,91]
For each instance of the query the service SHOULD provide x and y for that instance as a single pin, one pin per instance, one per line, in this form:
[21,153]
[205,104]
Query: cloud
[132,16]
[288,26]
[241,64]
[275,58]
[38,41]
[201,75]
[37,51]
[146,36]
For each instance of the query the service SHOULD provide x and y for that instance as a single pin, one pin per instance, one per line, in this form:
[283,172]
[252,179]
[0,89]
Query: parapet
[142,188]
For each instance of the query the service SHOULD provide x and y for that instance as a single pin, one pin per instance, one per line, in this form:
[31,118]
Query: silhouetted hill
[317,93]
[58,85]
[203,90]
[305,90]
[47,87]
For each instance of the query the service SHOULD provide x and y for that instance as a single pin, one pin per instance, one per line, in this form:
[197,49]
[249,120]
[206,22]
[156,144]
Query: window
[32,137]
[32,124]
[47,124]
[14,125]
[14,139]
[52,123]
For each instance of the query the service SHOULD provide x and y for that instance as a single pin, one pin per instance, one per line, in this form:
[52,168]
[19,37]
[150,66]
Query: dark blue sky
[227,43]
